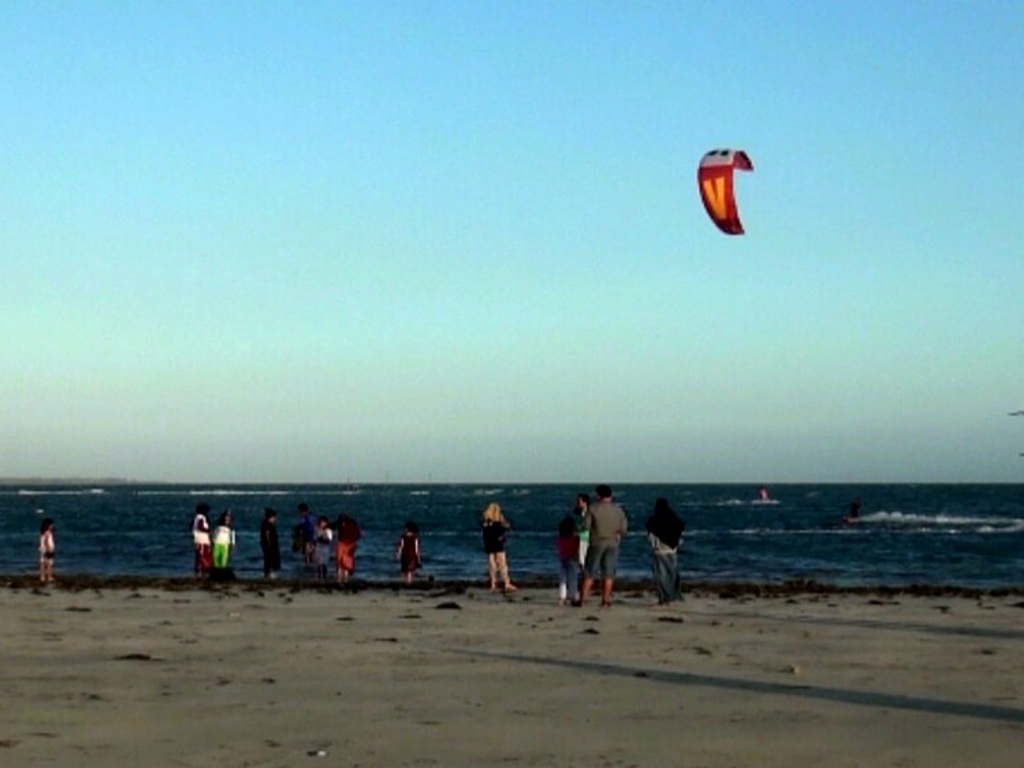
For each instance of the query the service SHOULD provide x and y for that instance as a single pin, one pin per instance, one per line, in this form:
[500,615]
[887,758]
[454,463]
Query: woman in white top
[201,540]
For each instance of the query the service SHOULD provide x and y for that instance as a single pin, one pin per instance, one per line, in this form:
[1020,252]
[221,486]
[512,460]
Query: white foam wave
[786,531]
[210,493]
[746,503]
[1016,526]
[62,492]
[902,518]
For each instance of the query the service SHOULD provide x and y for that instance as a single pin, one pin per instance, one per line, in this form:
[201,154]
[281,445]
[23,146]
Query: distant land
[35,482]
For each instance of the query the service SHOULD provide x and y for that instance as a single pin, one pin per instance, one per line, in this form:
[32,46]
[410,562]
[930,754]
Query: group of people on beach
[600,527]
[587,547]
[320,542]
[213,548]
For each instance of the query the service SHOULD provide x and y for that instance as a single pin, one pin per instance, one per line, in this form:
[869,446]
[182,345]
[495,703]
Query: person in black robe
[269,544]
[664,530]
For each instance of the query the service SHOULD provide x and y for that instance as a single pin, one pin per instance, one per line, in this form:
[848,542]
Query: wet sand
[168,673]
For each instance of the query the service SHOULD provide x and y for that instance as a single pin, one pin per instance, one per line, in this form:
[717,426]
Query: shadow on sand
[818,693]
[988,633]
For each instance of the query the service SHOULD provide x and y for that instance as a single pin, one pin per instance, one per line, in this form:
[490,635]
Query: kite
[714,179]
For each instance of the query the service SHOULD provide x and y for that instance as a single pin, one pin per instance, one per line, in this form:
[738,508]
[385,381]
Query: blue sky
[415,241]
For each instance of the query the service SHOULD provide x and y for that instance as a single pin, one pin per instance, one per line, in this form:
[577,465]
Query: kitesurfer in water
[854,514]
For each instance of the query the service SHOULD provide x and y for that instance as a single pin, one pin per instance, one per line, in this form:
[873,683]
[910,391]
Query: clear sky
[462,241]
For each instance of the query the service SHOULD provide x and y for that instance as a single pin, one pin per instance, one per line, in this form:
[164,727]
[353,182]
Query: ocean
[940,535]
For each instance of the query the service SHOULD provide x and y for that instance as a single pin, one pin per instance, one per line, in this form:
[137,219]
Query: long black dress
[271,548]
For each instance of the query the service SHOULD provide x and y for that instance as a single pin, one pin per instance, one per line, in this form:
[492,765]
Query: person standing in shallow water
[270,544]
[607,524]
[47,550]
[308,529]
[349,534]
[664,529]
[408,553]
[323,543]
[201,540]
[494,527]
[223,541]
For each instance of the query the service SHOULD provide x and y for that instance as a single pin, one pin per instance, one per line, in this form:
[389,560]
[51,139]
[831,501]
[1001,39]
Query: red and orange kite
[714,177]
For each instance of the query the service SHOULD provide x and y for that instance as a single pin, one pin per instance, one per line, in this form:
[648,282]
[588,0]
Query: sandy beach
[246,675]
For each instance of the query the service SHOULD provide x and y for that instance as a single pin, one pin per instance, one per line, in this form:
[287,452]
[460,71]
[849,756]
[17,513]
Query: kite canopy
[714,179]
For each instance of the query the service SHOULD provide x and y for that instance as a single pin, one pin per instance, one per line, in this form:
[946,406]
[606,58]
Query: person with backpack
[664,530]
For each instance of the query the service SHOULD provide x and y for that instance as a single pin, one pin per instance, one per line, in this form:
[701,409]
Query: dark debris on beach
[448,589]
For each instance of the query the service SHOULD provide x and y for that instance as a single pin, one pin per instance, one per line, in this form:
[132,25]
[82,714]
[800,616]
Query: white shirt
[201,530]
[224,535]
